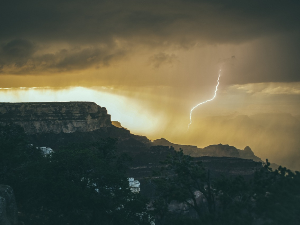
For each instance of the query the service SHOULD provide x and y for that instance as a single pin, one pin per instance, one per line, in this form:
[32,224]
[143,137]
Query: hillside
[57,125]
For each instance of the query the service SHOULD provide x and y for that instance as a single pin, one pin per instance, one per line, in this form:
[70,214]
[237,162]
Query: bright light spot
[126,110]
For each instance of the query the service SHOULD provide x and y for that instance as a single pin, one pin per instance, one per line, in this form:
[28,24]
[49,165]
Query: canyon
[59,124]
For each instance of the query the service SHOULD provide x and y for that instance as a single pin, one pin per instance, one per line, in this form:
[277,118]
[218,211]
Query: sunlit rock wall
[55,117]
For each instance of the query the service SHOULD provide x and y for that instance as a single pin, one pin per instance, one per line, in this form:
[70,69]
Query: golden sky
[150,62]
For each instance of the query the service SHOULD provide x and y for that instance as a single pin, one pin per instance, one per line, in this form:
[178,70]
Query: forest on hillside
[87,184]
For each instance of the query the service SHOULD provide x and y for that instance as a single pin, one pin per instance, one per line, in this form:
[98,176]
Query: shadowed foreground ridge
[55,117]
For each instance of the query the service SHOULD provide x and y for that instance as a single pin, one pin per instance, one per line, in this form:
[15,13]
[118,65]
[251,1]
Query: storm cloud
[162,58]
[17,57]
[58,36]
[94,21]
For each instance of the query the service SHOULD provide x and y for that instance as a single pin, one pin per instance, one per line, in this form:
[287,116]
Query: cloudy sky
[150,62]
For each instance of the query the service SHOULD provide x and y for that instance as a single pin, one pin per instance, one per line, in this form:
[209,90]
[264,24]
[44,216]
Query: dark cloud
[155,24]
[268,60]
[18,48]
[16,52]
[78,20]
[162,58]
[17,57]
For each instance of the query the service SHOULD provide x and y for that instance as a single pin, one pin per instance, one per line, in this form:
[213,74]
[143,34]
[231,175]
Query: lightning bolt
[201,103]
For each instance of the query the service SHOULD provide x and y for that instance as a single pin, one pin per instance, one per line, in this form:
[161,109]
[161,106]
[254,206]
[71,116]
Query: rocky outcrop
[116,124]
[8,207]
[221,151]
[55,117]
[177,147]
[247,153]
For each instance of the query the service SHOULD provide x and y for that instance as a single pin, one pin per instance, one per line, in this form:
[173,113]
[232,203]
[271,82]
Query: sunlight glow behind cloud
[121,108]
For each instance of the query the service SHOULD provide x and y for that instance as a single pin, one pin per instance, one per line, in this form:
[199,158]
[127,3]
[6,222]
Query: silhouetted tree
[271,197]
[80,184]
[277,195]
[179,179]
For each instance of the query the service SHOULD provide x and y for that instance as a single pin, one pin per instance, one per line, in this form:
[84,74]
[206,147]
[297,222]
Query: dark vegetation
[270,197]
[87,184]
[76,185]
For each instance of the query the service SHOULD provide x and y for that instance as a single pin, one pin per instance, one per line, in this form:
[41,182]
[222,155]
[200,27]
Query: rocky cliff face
[55,117]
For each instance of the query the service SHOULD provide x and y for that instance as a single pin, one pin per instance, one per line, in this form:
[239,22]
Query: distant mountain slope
[211,150]
[273,136]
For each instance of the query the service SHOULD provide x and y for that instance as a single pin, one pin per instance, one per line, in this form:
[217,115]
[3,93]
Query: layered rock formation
[55,117]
